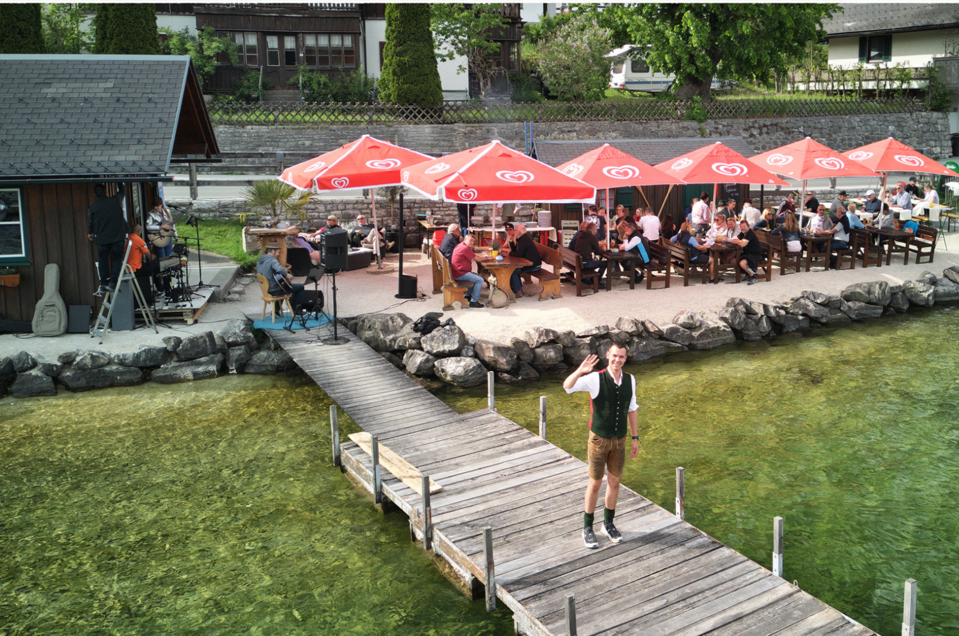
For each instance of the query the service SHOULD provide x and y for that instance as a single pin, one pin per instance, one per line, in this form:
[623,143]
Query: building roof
[863,19]
[86,117]
[652,151]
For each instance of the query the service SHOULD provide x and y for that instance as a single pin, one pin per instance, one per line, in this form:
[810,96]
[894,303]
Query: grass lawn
[222,237]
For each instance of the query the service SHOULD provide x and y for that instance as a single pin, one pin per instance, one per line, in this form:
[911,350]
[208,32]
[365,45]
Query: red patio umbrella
[364,163]
[607,167]
[890,155]
[808,159]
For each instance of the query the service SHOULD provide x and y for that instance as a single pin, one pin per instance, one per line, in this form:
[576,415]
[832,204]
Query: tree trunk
[694,87]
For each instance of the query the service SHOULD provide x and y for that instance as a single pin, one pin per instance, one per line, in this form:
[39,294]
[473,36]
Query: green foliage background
[410,74]
[20,29]
[202,49]
[126,29]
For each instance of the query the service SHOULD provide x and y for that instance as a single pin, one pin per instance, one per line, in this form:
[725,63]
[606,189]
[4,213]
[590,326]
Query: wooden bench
[453,291]
[847,255]
[775,244]
[766,262]
[924,245]
[548,279]
[573,262]
[436,258]
[682,264]
[659,266]
[871,253]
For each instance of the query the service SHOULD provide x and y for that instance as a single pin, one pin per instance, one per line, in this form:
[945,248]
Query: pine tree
[126,29]
[410,75]
[21,30]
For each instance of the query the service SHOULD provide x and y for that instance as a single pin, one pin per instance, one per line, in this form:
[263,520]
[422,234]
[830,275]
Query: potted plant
[494,247]
[9,277]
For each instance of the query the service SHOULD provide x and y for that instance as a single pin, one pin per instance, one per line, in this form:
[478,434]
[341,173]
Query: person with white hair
[450,241]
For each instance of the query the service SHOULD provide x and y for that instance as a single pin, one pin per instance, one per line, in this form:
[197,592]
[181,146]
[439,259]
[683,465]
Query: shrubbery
[353,88]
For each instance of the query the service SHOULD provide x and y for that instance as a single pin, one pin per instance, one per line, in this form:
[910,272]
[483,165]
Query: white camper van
[633,74]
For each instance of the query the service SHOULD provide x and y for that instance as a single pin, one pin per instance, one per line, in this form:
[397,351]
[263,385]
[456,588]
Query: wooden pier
[667,577]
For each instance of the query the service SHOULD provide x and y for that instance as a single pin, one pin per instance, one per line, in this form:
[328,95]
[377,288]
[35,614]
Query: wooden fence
[475,112]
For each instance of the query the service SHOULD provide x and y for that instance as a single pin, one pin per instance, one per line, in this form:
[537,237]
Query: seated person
[717,229]
[752,252]
[635,243]
[840,236]
[281,283]
[766,222]
[366,235]
[820,224]
[296,240]
[789,230]
[461,269]
[588,248]
[450,241]
[521,245]
[650,225]
[854,221]
[872,203]
[885,220]
[931,196]
[697,252]
[331,224]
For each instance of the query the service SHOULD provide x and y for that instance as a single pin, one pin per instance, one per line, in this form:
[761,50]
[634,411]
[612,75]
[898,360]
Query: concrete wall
[909,49]
[919,130]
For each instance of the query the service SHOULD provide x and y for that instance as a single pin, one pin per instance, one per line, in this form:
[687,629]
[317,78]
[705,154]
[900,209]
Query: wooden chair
[871,253]
[924,245]
[574,263]
[659,266]
[847,255]
[778,252]
[898,245]
[766,262]
[271,300]
[437,267]
[453,291]
[682,264]
[548,279]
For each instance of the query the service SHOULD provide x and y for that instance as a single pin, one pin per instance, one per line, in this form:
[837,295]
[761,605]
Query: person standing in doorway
[108,229]
[612,394]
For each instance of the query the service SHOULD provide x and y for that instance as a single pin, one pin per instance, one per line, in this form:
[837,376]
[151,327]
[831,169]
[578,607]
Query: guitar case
[50,317]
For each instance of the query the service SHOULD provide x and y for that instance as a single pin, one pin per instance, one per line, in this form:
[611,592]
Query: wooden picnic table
[719,251]
[266,234]
[811,243]
[892,237]
[614,264]
[503,270]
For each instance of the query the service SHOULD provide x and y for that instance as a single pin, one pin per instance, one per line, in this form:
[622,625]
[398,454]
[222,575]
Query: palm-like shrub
[276,198]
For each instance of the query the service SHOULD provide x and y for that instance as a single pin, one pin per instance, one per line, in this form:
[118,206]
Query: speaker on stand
[336,248]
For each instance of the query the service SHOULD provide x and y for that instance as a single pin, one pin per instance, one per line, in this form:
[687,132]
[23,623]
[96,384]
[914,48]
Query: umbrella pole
[665,199]
[376,242]
[802,202]
[882,193]
[712,206]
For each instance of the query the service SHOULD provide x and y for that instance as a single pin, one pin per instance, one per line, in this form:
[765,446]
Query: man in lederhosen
[612,404]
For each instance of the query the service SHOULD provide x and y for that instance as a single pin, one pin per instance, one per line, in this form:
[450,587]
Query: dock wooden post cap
[909,609]
[570,615]
[681,492]
[490,570]
[778,546]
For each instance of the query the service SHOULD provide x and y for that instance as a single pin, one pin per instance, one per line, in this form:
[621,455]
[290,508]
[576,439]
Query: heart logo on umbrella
[910,160]
[517,176]
[340,182]
[830,163]
[779,159]
[440,167]
[681,163]
[730,169]
[319,165]
[621,172]
[406,176]
[383,164]
[467,194]
[572,170]
[861,155]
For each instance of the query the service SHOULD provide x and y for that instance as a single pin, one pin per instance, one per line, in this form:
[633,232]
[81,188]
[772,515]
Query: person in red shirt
[461,269]
[138,251]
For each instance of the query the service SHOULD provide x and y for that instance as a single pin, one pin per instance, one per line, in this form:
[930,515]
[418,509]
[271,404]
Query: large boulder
[523,350]
[918,293]
[547,355]
[620,337]
[711,335]
[946,290]
[88,360]
[677,334]
[775,313]
[195,369]
[538,336]
[265,362]
[527,372]
[46,367]
[444,342]
[419,362]
[33,383]
[750,329]
[742,305]
[581,349]
[237,357]
[952,273]
[652,329]
[826,300]
[874,293]
[380,331]
[197,346]
[860,311]
[172,343]
[734,316]
[145,357]
[23,362]
[68,357]
[928,278]
[464,372]
[836,316]
[630,325]
[764,323]
[807,307]
[642,349]
[566,338]
[407,339]
[792,323]
[496,356]
[236,333]
[78,379]
[899,302]
[688,319]
[598,331]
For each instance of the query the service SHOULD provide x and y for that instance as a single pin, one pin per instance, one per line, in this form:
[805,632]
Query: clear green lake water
[211,507]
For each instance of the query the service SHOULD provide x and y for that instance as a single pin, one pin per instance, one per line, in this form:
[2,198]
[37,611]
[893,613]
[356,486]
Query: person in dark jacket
[450,241]
[752,252]
[588,248]
[108,229]
[521,245]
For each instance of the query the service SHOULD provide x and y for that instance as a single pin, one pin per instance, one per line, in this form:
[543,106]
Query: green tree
[203,48]
[464,30]
[410,75]
[62,32]
[697,42]
[276,198]
[573,61]
[21,30]
[125,29]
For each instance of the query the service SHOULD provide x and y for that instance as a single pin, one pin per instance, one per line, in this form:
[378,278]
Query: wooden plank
[773,618]
[399,467]
[455,476]
[821,622]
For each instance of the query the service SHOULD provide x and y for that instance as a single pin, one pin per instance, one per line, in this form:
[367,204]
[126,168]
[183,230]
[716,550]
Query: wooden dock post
[427,515]
[909,609]
[542,416]
[681,492]
[570,615]
[778,546]
[490,397]
[335,435]
[490,571]
[377,479]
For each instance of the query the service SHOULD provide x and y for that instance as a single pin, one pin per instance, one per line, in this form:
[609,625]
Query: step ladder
[126,274]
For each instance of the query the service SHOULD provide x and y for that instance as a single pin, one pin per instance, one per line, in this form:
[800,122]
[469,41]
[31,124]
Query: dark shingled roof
[861,19]
[84,115]
[652,151]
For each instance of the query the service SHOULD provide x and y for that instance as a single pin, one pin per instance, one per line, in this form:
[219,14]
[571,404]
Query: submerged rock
[31,384]
[464,372]
[78,379]
[496,356]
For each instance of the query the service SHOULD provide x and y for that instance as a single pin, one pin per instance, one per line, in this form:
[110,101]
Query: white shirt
[932,197]
[650,225]
[752,215]
[700,214]
[590,383]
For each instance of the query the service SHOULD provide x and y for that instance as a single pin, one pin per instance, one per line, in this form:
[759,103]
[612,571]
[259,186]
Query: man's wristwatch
[635,436]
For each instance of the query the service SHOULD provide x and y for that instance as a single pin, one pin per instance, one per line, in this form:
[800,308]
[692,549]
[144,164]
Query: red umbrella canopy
[364,163]
[717,163]
[495,173]
[608,167]
[809,159]
[889,155]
